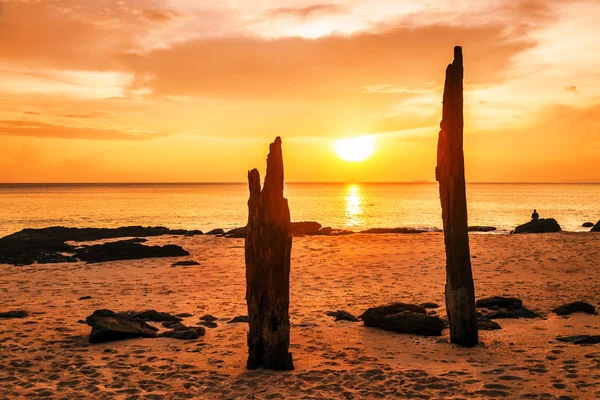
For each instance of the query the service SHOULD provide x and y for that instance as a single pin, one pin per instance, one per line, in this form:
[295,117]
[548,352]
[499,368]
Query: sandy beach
[48,355]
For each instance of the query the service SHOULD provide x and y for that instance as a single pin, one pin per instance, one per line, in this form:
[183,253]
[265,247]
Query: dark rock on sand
[14,314]
[85,298]
[403,318]
[108,326]
[596,228]
[341,315]
[544,225]
[239,318]
[217,231]
[485,324]
[512,313]
[482,228]
[185,263]
[499,301]
[185,333]
[48,245]
[577,306]
[208,324]
[236,233]
[392,230]
[151,315]
[126,250]
[208,317]
[184,315]
[580,339]
[305,228]
[325,231]
[429,305]
[587,225]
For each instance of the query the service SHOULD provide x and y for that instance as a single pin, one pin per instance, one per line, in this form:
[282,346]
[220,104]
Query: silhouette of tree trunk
[268,249]
[450,173]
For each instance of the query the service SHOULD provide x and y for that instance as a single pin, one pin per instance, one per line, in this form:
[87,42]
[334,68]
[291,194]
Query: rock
[544,225]
[85,298]
[580,339]
[239,318]
[342,316]
[209,318]
[175,325]
[184,315]
[208,324]
[587,225]
[325,231]
[47,245]
[485,324]
[499,301]
[512,313]
[218,231]
[429,305]
[596,228]
[126,250]
[108,326]
[150,315]
[185,333]
[185,263]
[403,318]
[14,314]
[305,228]
[481,228]
[392,230]
[577,306]
[236,233]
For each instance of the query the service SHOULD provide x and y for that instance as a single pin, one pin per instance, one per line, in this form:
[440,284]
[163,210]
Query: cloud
[44,130]
[159,15]
[306,12]
[572,89]
[89,115]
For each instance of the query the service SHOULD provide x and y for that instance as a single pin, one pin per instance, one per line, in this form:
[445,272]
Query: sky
[194,91]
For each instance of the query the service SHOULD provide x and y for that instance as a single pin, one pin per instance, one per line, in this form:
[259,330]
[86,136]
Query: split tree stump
[268,249]
[450,173]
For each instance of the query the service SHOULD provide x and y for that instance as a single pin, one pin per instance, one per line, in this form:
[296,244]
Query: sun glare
[354,149]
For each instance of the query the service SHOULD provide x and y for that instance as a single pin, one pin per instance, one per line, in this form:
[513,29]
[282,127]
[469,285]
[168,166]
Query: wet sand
[47,354]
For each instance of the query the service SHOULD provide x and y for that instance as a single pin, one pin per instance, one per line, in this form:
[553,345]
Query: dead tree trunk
[450,173]
[268,249]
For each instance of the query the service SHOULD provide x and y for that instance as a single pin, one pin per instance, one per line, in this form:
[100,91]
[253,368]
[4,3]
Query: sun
[354,149]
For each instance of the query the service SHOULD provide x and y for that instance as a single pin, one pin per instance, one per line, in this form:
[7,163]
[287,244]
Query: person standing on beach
[535,216]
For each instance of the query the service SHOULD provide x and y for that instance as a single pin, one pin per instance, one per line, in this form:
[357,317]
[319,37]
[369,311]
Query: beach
[47,354]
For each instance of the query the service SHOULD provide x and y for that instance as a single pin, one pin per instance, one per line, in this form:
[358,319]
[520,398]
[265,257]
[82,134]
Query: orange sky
[183,90]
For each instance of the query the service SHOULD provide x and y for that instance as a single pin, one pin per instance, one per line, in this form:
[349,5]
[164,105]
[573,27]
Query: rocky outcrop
[499,301]
[596,228]
[109,326]
[341,315]
[150,316]
[216,232]
[403,318]
[575,307]
[48,245]
[477,228]
[185,263]
[512,313]
[429,305]
[580,339]
[238,319]
[544,225]
[587,225]
[393,230]
[13,314]
[504,307]
[126,250]
[305,228]
[183,332]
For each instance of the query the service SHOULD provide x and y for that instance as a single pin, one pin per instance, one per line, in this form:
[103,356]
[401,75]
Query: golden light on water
[354,206]
[354,149]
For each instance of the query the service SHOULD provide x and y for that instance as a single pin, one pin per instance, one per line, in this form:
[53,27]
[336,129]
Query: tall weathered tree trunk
[450,173]
[268,249]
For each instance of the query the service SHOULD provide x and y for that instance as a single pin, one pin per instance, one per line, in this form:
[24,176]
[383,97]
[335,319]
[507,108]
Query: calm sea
[350,206]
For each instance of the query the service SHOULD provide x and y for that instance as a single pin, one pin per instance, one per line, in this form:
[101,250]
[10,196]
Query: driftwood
[450,173]
[268,249]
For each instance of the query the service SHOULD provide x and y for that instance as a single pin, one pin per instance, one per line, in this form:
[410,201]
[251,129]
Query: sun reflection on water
[354,206]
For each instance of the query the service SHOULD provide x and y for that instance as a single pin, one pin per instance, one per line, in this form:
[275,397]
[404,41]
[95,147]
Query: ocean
[360,206]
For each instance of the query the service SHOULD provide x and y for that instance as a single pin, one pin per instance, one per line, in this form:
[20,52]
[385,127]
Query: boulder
[478,228]
[596,228]
[14,314]
[580,339]
[239,233]
[216,232]
[85,298]
[108,326]
[175,325]
[305,228]
[342,316]
[499,301]
[429,305]
[208,324]
[512,313]
[208,317]
[239,318]
[403,318]
[185,263]
[325,231]
[544,225]
[151,316]
[577,306]
[393,230]
[184,333]
[587,225]
[126,250]
[486,324]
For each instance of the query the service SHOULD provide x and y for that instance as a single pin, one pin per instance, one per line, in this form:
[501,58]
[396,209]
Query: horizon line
[292,182]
